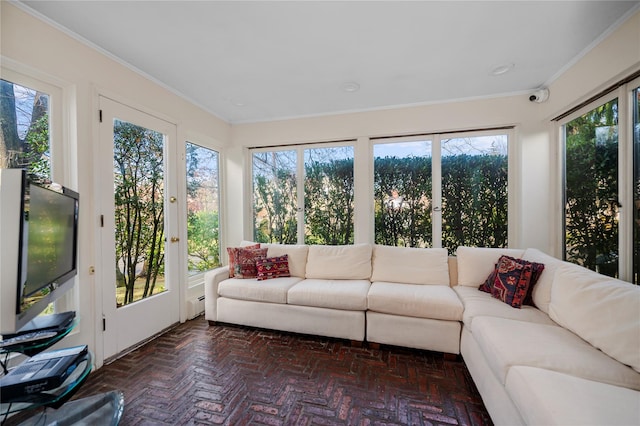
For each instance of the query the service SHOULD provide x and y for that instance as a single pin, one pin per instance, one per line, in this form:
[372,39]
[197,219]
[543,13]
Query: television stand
[104,409]
[30,348]
[54,322]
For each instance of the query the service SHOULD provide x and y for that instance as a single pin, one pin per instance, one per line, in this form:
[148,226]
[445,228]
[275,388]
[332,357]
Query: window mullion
[436,176]
[300,193]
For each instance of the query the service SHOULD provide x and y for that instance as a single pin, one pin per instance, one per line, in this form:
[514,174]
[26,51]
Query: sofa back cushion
[348,262]
[542,290]
[297,256]
[409,265]
[600,309]
[476,263]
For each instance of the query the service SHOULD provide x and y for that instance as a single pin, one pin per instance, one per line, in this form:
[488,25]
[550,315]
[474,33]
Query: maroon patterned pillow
[246,262]
[273,267]
[233,252]
[514,280]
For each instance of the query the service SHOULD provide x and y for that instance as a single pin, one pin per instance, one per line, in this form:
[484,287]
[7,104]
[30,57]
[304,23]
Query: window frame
[299,149]
[61,153]
[624,95]
[198,277]
[513,177]
[195,282]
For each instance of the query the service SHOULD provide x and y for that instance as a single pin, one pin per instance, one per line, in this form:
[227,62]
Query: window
[25,141]
[328,195]
[601,191]
[402,187]
[474,192]
[591,189]
[442,191]
[203,225]
[275,197]
[303,195]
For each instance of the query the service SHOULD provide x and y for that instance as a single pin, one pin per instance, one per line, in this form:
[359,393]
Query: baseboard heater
[195,307]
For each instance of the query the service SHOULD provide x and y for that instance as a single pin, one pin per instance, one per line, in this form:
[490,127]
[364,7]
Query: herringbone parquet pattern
[196,374]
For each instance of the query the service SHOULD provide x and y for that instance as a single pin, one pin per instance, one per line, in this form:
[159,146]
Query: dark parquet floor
[196,374]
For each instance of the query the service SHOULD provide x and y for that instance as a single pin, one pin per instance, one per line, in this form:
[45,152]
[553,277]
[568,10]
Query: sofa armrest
[211,280]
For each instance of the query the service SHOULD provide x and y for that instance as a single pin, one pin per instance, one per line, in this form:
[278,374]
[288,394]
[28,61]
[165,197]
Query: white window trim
[514,178]
[299,149]
[625,170]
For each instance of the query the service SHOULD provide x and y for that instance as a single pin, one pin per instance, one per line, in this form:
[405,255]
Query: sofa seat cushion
[273,291]
[334,294]
[478,304]
[546,397]
[414,300]
[409,265]
[602,310]
[507,343]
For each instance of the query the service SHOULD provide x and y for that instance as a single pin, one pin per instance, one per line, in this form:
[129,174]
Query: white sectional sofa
[572,359]
[393,295]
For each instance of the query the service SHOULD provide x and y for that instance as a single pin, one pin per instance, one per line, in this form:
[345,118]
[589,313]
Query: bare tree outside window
[24,130]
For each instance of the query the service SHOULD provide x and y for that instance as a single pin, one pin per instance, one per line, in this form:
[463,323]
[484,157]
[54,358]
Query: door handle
[174,239]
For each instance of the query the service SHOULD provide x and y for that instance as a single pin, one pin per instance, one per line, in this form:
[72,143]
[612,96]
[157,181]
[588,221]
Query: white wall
[29,45]
[538,188]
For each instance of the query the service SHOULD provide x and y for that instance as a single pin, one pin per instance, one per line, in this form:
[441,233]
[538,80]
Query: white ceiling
[250,61]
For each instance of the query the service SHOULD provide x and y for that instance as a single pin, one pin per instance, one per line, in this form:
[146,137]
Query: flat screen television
[38,246]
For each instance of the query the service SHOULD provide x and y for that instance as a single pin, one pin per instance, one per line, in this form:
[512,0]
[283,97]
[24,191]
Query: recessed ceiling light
[350,86]
[502,69]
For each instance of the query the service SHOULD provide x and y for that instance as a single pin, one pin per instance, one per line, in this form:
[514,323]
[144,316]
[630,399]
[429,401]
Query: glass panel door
[140,261]
[591,189]
[138,170]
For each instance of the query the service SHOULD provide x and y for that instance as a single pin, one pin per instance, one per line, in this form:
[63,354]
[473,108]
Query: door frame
[108,342]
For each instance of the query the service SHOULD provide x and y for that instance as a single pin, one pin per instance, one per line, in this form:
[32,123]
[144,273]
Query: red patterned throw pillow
[487,286]
[233,253]
[513,280]
[246,262]
[273,267]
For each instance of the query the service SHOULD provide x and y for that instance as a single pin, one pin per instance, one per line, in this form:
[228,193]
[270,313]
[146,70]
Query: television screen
[48,258]
[38,246]
[49,223]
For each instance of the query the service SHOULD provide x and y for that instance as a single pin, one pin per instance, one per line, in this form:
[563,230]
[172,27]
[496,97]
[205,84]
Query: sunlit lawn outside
[138,290]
